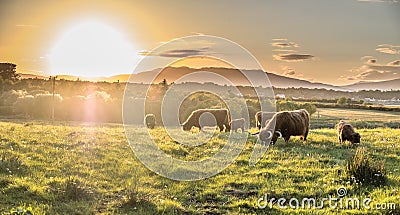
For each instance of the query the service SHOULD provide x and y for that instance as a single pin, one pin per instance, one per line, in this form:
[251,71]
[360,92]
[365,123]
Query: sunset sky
[336,42]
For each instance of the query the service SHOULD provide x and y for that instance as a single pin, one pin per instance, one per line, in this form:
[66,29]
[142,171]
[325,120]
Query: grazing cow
[287,123]
[262,118]
[237,123]
[150,120]
[346,132]
[221,118]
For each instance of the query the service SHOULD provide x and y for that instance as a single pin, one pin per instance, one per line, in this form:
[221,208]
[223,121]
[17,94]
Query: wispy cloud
[284,43]
[283,50]
[388,49]
[25,26]
[379,1]
[280,39]
[291,72]
[292,57]
[177,53]
[373,71]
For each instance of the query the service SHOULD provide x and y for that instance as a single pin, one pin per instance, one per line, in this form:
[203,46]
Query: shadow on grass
[15,195]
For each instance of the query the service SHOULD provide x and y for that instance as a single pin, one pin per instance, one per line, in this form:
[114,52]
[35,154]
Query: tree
[342,100]
[8,72]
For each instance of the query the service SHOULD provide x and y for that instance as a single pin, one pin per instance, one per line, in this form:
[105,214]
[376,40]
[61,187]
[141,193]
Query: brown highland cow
[262,118]
[237,124]
[287,124]
[346,131]
[221,118]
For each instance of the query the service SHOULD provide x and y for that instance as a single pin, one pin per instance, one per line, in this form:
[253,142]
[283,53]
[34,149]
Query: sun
[92,49]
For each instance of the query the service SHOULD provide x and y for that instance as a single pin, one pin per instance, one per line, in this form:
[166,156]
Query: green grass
[90,169]
[328,117]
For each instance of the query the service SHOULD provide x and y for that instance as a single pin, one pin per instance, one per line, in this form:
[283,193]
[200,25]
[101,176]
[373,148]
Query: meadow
[73,168]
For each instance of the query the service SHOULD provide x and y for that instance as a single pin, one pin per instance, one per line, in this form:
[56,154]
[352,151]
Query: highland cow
[287,124]
[220,118]
[346,132]
[262,118]
[237,124]
[150,120]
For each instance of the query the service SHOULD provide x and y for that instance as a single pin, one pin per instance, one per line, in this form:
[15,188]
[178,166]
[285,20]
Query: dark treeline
[102,101]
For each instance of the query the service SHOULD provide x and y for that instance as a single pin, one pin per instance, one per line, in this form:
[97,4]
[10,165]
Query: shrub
[76,190]
[8,98]
[24,105]
[365,170]
[365,124]
[392,124]
[290,105]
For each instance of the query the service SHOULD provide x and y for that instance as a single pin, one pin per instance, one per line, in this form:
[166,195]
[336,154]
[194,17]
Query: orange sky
[317,40]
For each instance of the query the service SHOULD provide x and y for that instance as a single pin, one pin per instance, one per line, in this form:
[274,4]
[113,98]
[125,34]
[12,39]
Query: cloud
[177,53]
[280,39]
[379,1]
[372,71]
[388,49]
[394,63]
[283,50]
[292,57]
[285,44]
[26,26]
[289,71]
[367,57]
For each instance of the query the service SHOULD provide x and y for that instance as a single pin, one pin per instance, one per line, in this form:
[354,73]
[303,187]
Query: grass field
[65,168]
[328,117]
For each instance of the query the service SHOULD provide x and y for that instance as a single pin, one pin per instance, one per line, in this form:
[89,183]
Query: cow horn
[270,135]
[280,134]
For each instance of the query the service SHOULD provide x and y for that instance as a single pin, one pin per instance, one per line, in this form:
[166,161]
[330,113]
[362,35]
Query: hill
[173,74]
[381,85]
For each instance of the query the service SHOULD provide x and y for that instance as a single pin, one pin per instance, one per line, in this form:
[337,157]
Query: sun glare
[92,49]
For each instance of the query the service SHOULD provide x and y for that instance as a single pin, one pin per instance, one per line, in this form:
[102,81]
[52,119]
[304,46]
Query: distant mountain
[279,81]
[173,74]
[381,85]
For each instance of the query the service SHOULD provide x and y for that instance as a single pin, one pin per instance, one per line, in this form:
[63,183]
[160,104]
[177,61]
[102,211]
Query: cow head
[275,137]
[356,138]
[186,127]
[265,136]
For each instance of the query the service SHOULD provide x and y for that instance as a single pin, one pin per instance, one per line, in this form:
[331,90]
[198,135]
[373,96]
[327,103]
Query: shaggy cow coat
[287,124]
[237,124]
[221,116]
[346,131]
[150,120]
[262,118]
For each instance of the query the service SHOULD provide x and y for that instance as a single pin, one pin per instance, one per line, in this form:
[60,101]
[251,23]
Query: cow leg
[221,128]
[306,134]
[287,139]
[227,127]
